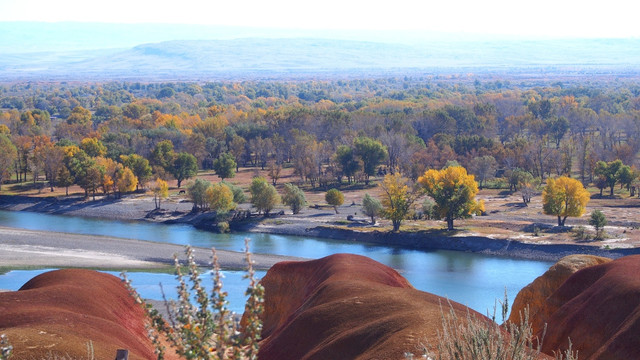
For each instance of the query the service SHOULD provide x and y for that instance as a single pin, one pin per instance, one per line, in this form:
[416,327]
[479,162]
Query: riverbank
[322,223]
[439,240]
[29,248]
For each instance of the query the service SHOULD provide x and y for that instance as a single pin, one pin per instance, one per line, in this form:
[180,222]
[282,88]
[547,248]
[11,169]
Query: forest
[118,136]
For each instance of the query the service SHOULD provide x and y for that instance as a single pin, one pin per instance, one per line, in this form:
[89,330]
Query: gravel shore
[28,248]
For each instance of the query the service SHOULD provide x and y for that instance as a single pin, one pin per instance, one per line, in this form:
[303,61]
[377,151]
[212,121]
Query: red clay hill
[346,307]
[338,307]
[56,314]
[598,307]
[534,296]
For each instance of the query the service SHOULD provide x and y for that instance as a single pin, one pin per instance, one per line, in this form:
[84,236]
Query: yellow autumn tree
[564,197]
[126,181]
[110,172]
[220,198]
[397,199]
[4,130]
[453,191]
[93,147]
[160,191]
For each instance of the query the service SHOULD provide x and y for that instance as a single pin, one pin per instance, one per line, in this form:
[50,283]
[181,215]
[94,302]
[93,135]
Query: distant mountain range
[83,56]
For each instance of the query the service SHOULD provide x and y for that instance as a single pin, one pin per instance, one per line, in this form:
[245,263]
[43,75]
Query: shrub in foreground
[199,325]
[472,338]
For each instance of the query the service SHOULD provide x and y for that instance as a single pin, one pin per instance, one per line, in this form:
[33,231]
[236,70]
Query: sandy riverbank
[27,248]
[320,222]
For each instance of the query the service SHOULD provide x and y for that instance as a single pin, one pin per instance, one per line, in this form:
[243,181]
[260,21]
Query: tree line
[329,132]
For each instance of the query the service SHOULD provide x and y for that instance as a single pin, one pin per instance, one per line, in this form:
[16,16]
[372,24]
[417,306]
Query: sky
[516,18]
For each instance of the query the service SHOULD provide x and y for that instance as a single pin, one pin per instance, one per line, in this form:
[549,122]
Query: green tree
[140,167]
[220,198]
[371,207]
[163,154]
[185,166]
[238,194]
[197,192]
[609,171]
[397,199]
[294,198]
[371,152]
[8,156]
[64,179]
[93,147]
[348,162]
[564,197]
[166,92]
[598,221]
[626,176]
[453,191]
[225,166]
[335,198]
[264,196]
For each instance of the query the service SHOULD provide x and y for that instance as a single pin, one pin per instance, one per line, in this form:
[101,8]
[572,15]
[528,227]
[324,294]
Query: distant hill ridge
[256,57]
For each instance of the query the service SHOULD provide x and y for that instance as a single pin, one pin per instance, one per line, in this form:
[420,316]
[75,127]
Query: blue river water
[471,279]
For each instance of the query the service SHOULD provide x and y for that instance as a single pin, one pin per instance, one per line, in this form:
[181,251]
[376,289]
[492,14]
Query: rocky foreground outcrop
[535,295]
[598,308]
[55,314]
[346,307]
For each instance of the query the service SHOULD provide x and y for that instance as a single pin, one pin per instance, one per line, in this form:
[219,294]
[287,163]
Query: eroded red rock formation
[535,294]
[598,308]
[346,307]
[59,312]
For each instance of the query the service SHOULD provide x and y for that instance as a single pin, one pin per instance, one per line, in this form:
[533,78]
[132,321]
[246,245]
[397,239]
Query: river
[474,280]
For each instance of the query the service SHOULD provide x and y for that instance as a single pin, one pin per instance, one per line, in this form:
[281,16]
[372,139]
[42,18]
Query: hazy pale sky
[544,18]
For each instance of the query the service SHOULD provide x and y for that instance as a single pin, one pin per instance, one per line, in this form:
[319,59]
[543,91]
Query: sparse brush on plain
[472,338]
[199,325]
